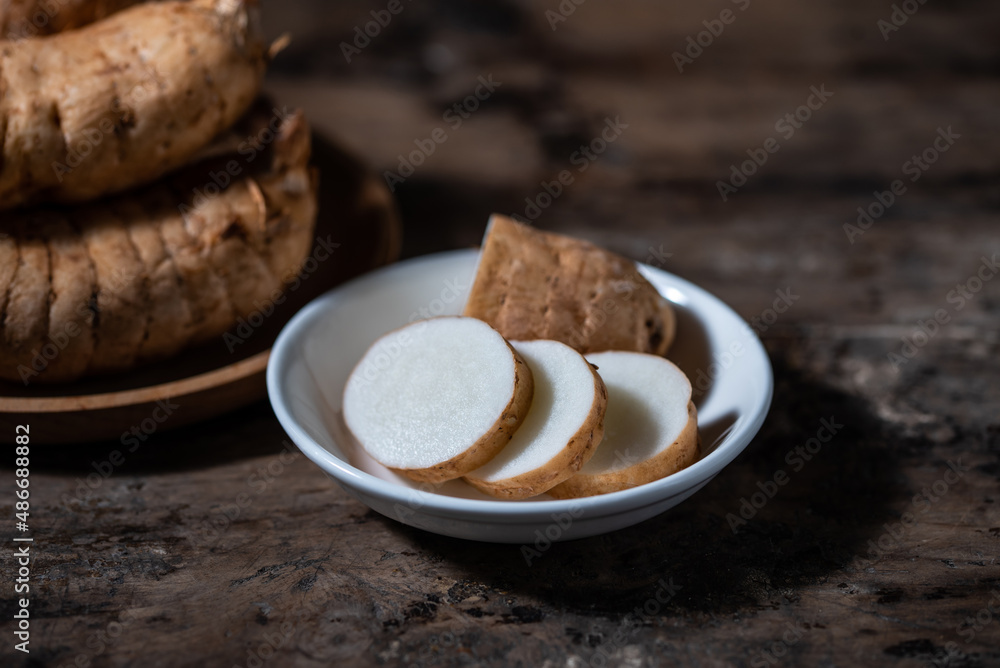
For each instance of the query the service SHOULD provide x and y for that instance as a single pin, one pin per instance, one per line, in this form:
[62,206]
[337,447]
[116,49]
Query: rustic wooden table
[738,159]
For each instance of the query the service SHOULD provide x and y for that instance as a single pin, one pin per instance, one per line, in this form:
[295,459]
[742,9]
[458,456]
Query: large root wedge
[538,285]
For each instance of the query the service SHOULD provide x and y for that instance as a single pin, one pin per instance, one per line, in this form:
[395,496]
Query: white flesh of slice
[428,392]
[556,435]
[650,429]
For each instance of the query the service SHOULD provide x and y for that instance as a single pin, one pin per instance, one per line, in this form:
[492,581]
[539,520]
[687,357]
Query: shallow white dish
[318,348]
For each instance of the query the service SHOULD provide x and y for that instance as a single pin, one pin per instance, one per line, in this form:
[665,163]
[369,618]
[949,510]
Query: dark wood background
[161,566]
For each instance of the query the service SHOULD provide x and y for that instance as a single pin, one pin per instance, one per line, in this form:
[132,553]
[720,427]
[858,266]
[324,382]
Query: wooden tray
[355,211]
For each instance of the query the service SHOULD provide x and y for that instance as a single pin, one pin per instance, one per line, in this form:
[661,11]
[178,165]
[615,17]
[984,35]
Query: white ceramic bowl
[318,348]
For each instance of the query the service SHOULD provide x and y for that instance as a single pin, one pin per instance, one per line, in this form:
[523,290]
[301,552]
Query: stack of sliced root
[529,392]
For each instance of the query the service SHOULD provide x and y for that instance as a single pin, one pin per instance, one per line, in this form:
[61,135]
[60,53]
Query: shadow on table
[249,432]
[817,523]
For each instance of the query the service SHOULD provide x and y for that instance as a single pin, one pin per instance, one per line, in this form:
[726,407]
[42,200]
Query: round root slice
[562,428]
[650,430]
[437,398]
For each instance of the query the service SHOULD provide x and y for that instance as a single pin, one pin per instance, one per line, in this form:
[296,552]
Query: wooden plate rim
[175,388]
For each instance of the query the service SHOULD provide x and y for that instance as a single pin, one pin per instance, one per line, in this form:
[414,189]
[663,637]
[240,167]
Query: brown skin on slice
[539,285]
[561,467]
[681,454]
